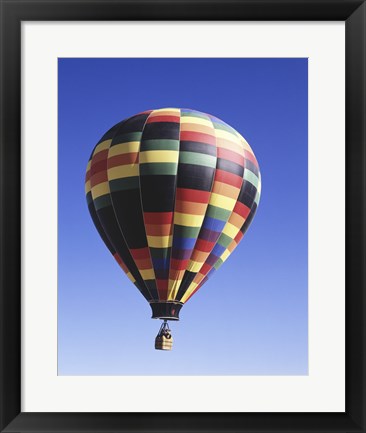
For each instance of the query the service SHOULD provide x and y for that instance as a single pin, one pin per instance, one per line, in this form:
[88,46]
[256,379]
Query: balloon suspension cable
[164,329]
[164,340]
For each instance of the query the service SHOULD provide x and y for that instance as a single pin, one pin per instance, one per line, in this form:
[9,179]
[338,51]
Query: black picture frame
[353,12]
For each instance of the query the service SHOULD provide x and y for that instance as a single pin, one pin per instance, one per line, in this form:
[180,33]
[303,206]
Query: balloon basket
[164,339]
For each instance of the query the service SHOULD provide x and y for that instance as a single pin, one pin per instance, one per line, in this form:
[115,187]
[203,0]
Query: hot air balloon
[171,192]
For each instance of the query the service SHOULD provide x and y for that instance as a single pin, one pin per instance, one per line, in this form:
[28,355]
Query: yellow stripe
[161,111]
[245,144]
[147,274]
[234,147]
[196,120]
[122,171]
[130,276]
[87,187]
[221,201]
[220,133]
[173,289]
[100,189]
[88,166]
[122,148]
[190,289]
[194,266]
[225,255]
[159,156]
[159,241]
[203,129]
[102,146]
[230,230]
[188,220]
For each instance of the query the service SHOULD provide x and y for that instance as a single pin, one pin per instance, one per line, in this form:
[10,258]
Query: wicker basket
[163,343]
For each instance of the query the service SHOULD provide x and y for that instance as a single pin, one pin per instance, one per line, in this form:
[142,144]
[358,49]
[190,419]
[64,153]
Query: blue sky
[250,318]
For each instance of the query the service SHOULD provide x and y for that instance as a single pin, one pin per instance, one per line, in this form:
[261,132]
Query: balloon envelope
[171,193]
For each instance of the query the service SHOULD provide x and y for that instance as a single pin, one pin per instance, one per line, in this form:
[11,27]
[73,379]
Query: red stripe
[229,178]
[87,176]
[158,229]
[238,237]
[140,253]
[98,167]
[197,136]
[241,209]
[178,265]
[230,156]
[143,264]
[205,268]
[120,262]
[153,119]
[103,154]
[158,217]
[162,286]
[251,157]
[203,246]
[194,195]
[98,178]
[126,158]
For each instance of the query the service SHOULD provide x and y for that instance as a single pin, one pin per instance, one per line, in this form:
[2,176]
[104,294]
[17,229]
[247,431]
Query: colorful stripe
[225,190]
[102,212]
[171,193]
[124,181]
[195,178]
[159,153]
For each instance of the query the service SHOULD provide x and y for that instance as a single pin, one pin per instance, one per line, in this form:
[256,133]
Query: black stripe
[110,225]
[133,124]
[100,229]
[252,167]
[127,208]
[249,219]
[248,194]
[229,166]
[193,176]
[157,193]
[186,281]
[160,130]
[194,146]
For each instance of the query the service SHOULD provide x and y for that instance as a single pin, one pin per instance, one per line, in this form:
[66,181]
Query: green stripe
[159,168]
[186,232]
[224,240]
[126,137]
[218,264]
[102,201]
[218,213]
[251,177]
[160,253]
[197,159]
[163,144]
[124,184]
[225,128]
[194,114]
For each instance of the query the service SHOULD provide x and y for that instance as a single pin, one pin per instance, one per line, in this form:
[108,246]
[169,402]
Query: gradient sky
[251,317]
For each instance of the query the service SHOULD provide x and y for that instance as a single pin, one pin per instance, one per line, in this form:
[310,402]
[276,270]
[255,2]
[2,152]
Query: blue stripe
[184,243]
[218,250]
[213,224]
[161,263]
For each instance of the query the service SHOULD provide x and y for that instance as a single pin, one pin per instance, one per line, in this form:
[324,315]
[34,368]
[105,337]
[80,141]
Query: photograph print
[183,198]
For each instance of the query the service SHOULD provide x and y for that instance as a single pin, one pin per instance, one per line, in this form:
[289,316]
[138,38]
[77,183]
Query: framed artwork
[200,164]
